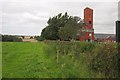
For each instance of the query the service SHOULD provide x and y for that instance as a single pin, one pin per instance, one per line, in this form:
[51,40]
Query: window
[90,22]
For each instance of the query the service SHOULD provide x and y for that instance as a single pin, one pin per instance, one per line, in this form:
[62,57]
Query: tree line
[10,38]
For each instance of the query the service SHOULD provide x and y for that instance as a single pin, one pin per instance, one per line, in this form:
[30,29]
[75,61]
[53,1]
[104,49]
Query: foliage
[71,28]
[7,38]
[105,60]
[39,38]
[101,59]
[61,27]
[50,32]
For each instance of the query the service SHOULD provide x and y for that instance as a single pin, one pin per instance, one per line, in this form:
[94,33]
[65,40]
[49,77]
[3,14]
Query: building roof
[104,35]
[88,8]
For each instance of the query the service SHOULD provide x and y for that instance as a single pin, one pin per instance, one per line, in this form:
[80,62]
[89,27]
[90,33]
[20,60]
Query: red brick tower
[87,30]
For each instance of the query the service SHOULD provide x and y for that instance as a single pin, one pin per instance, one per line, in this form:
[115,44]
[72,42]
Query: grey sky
[29,17]
[119,11]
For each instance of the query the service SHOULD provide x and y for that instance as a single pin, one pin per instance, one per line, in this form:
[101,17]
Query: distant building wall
[28,39]
[88,17]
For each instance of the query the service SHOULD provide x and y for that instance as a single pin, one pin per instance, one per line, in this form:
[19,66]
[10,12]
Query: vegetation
[105,60]
[61,27]
[10,38]
[59,59]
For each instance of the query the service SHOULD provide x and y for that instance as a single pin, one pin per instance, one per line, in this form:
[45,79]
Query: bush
[82,58]
[105,60]
[10,38]
[69,58]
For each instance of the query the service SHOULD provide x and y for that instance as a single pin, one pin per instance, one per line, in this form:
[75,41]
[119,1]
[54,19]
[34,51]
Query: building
[28,38]
[105,37]
[87,31]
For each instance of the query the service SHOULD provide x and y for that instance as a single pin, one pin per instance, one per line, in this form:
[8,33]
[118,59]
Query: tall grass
[81,59]
[67,59]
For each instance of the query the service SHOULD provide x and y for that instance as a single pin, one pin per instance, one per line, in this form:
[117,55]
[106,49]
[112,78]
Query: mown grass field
[51,60]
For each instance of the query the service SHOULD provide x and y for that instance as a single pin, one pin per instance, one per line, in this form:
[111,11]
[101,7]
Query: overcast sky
[29,17]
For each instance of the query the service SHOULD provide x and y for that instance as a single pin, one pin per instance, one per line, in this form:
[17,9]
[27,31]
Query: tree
[71,28]
[10,38]
[62,27]
[51,31]
[64,33]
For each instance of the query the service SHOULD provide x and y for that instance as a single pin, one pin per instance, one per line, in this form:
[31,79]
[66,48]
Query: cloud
[30,17]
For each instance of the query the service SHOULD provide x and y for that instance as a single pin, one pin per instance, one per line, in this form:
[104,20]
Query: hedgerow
[98,58]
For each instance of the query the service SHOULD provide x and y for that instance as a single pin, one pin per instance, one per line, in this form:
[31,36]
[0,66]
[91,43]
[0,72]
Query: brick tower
[87,33]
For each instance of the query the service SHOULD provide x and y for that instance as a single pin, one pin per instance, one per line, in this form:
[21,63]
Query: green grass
[24,60]
[48,60]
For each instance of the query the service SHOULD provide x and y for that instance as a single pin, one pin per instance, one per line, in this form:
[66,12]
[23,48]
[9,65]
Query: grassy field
[24,60]
[48,60]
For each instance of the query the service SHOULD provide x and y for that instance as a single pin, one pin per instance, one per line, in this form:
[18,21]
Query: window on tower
[90,22]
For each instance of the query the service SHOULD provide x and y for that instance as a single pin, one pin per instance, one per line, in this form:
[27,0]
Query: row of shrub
[82,59]
[10,38]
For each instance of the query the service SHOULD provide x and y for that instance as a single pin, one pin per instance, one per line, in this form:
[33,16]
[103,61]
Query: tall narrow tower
[88,17]
[87,29]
